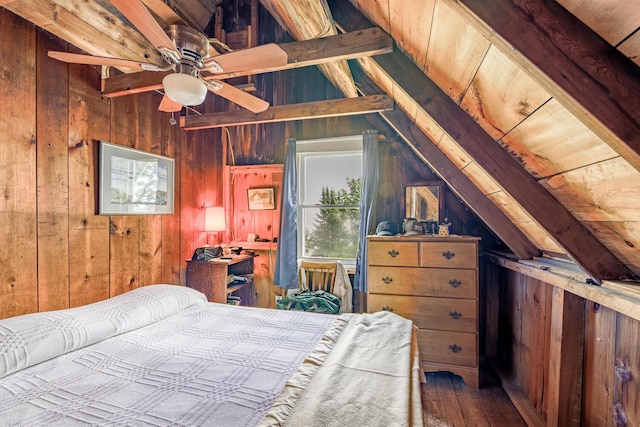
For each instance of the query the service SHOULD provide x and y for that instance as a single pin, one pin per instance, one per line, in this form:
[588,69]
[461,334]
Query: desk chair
[316,276]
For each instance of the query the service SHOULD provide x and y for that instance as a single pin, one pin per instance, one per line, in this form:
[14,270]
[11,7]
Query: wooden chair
[316,276]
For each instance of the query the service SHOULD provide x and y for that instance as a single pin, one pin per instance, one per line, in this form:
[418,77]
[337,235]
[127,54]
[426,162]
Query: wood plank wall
[577,362]
[56,252]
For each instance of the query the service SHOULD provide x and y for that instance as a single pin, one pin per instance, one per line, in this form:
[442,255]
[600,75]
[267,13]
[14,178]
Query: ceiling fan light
[184,89]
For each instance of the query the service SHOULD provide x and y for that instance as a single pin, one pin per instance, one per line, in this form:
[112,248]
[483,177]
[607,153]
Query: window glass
[329,185]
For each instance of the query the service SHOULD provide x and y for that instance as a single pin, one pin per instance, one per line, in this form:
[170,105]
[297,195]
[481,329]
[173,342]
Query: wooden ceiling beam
[281,113]
[398,122]
[367,42]
[88,26]
[588,76]
[587,251]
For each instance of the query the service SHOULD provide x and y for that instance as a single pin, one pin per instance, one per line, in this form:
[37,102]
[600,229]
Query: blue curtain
[368,196]
[286,270]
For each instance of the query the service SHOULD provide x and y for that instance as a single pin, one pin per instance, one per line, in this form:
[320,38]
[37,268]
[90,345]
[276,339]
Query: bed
[162,355]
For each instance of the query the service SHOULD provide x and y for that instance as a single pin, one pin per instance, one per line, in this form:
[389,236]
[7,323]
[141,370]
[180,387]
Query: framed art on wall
[134,182]
[261,199]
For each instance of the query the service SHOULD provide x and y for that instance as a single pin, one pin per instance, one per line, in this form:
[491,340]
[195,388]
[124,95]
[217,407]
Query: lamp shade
[214,219]
[184,89]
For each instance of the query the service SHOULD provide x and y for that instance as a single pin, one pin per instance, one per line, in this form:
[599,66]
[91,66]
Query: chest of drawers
[434,282]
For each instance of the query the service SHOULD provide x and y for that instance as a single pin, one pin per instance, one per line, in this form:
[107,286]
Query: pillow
[33,338]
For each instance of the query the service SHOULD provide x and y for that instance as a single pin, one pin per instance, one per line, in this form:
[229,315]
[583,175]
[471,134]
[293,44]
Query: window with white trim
[329,187]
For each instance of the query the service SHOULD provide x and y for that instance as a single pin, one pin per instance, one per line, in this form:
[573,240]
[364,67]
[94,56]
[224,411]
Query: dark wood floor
[447,402]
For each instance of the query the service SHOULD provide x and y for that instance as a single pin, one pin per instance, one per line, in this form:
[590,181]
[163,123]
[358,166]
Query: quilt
[162,355]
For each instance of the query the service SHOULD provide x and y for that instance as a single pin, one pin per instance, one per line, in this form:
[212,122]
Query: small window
[329,186]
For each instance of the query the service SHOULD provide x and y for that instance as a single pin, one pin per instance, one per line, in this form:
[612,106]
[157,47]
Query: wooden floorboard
[448,402]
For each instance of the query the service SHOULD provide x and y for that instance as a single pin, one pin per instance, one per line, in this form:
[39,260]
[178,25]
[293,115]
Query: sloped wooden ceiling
[529,109]
[547,155]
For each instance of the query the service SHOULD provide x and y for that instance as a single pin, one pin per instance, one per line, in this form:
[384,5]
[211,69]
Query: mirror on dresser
[424,201]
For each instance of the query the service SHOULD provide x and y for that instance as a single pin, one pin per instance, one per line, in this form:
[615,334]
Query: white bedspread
[162,356]
[169,358]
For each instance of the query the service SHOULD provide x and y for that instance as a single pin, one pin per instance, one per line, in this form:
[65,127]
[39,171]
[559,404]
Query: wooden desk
[210,278]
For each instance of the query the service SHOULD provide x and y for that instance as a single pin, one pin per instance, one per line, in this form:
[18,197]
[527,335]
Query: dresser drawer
[393,253]
[445,314]
[448,347]
[448,255]
[432,282]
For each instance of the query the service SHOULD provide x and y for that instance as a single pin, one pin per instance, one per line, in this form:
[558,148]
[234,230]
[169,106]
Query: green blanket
[314,301]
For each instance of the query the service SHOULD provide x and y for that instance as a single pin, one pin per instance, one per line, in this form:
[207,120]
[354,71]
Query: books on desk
[245,278]
[233,300]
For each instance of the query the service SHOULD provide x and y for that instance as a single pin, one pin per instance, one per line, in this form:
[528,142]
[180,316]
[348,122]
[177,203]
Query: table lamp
[214,220]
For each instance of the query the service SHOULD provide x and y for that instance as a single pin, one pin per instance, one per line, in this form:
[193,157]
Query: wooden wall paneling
[490,278]
[626,404]
[243,218]
[192,198]
[88,232]
[52,107]
[389,206]
[566,359]
[171,259]
[518,346]
[124,243]
[532,357]
[213,168]
[150,225]
[599,354]
[547,350]
[263,270]
[18,252]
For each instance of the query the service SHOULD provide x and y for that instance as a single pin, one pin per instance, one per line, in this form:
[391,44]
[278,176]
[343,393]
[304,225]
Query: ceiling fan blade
[137,13]
[76,58]
[254,58]
[169,106]
[237,96]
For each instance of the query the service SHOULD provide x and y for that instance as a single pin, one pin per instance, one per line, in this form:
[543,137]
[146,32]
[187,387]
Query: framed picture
[134,182]
[261,199]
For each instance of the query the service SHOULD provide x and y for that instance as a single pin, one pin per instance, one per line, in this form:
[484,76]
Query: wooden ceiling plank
[194,13]
[367,42]
[310,19]
[89,27]
[592,79]
[456,50]
[398,122]
[165,14]
[589,253]
[281,113]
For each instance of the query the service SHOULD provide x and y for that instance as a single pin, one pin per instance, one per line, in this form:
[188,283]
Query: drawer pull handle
[455,348]
[393,253]
[455,315]
[448,254]
[387,308]
[387,279]
[455,283]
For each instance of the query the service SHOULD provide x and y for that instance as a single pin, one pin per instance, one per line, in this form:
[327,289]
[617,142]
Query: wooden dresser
[434,282]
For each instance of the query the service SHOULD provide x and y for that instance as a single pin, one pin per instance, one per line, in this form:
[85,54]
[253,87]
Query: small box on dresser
[434,282]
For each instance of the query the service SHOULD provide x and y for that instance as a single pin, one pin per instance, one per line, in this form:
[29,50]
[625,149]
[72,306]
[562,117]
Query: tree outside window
[329,188]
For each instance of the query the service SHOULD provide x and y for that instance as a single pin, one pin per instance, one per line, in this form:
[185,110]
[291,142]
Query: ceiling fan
[187,52]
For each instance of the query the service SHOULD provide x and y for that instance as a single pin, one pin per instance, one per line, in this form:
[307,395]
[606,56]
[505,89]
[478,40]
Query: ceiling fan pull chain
[172,121]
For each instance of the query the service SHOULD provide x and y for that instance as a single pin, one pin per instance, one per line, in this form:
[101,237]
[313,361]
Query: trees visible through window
[329,186]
